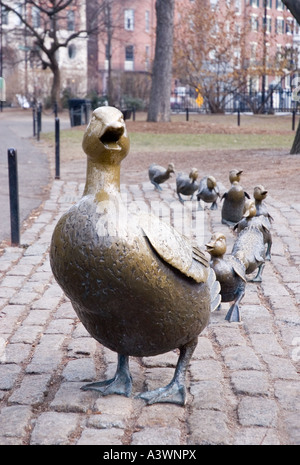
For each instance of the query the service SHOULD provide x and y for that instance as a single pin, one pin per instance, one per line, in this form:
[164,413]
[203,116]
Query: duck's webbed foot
[175,391]
[233,314]
[120,384]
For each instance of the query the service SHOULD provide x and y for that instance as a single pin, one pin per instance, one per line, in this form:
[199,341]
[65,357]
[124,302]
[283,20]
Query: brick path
[243,380]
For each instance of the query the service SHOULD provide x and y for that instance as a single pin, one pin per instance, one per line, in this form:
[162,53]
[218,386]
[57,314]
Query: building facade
[120,53]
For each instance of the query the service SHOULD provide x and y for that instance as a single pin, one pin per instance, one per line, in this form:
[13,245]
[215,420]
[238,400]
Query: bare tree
[159,106]
[47,39]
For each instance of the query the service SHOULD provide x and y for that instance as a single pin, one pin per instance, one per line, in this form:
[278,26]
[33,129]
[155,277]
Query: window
[71,51]
[279,5]
[147,21]
[147,58]
[279,25]
[269,24]
[289,26]
[129,53]
[129,20]
[269,4]
[36,17]
[254,3]
[4,15]
[71,20]
[129,57]
[254,23]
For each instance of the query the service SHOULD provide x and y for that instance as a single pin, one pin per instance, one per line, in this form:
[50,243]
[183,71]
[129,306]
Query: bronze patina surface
[138,286]
[187,184]
[158,174]
[233,200]
[230,273]
[208,191]
[261,222]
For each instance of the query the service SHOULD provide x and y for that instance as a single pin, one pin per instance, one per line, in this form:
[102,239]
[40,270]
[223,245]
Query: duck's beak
[210,246]
[111,135]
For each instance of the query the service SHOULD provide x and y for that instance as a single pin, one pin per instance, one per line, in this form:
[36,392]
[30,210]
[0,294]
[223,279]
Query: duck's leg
[258,277]
[156,185]
[233,314]
[214,206]
[175,391]
[180,198]
[120,384]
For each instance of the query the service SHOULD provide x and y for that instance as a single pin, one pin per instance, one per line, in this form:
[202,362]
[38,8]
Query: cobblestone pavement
[243,379]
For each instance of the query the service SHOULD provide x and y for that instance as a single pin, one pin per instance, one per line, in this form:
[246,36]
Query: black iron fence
[272,101]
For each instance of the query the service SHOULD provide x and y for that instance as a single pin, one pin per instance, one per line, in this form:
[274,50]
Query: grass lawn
[277,134]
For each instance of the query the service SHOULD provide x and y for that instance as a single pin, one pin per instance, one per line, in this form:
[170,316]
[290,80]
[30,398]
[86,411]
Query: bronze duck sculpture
[259,194]
[233,200]
[249,246]
[137,285]
[262,222]
[158,174]
[230,273]
[208,191]
[186,184]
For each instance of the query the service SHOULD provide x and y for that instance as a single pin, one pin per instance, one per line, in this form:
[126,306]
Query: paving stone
[52,428]
[111,412]
[161,415]
[253,411]
[15,421]
[257,437]
[32,390]
[101,437]
[241,358]
[163,436]
[48,354]
[208,427]
[250,382]
[82,369]
[8,375]
[70,398]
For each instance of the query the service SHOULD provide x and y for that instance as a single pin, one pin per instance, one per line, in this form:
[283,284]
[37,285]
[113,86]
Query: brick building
[122,51]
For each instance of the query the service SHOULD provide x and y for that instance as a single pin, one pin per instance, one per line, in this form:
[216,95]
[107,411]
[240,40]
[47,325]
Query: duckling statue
[230,273]
[261,222]
[208,191]
[249,247]
[138,286]
[158,174]
[186,184]
[233,200]
[259,194]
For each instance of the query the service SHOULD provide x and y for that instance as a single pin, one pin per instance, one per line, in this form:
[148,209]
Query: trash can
[79,110]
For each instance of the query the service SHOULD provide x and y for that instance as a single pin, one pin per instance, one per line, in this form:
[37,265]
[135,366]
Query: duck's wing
[238,267]
[174,248]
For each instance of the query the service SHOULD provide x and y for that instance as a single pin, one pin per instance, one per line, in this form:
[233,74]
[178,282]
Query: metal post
[187,113]
[293,120]
[57,155]
[13,196]
[239,117]
[34,121]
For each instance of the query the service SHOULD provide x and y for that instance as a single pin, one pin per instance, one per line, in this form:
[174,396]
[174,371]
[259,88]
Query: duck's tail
[215,288]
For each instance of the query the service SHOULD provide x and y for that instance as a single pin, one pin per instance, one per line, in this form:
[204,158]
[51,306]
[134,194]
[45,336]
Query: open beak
[111,136]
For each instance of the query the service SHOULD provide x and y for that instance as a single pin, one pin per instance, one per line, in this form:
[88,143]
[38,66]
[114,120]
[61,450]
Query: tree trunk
[55,89]
[296,144]
[159,105]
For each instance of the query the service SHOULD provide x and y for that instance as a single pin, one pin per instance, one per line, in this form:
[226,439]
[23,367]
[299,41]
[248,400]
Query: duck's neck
[102,180]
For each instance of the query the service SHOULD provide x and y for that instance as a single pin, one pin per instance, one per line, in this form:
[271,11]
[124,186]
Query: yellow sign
[199,99]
